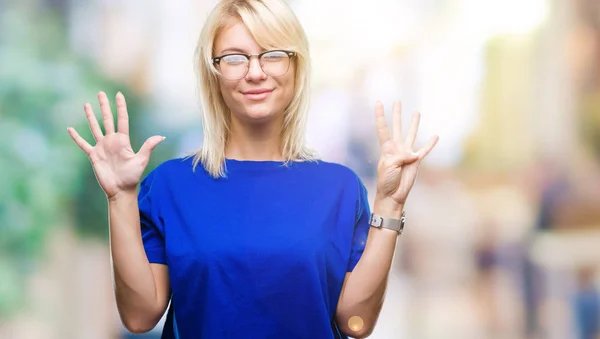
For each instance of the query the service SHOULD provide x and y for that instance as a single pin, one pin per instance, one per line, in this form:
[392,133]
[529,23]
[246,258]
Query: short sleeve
[150,219]
[361,225]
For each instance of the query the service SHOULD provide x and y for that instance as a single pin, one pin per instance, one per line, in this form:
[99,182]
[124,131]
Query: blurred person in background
[550,185]
[253,236]
[586,304]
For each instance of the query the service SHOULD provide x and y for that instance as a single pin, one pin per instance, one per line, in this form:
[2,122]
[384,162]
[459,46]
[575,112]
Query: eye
[235,59]
[274,56]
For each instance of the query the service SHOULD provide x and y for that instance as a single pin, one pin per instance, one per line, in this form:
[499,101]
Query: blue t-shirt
[259,254]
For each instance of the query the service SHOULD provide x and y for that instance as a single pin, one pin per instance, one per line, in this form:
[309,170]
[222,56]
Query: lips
[257,94]
[258,91]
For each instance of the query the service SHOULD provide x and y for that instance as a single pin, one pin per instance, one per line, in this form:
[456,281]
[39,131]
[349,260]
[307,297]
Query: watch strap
[379,221]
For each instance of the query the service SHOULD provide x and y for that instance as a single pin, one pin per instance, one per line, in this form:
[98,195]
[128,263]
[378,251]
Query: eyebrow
[233,50]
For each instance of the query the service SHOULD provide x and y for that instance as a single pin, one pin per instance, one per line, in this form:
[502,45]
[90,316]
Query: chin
[259,117]
[260,113]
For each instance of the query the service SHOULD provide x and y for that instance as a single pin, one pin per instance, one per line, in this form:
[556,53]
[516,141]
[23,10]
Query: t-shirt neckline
[235,164]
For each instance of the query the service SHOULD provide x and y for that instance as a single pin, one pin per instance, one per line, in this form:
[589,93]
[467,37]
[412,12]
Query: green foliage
[44,178]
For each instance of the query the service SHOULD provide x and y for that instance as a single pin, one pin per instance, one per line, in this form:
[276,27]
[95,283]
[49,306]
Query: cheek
[227,90]
[289,88]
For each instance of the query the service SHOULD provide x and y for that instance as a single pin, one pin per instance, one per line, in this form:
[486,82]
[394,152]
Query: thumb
[404,159]
[150,144]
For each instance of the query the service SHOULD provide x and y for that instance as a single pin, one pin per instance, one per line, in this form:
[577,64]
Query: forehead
[235,36]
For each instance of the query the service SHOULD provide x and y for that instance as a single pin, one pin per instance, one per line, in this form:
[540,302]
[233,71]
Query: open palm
[117,167]
[398,164]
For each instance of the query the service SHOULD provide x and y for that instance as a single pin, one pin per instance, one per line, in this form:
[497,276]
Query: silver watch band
[389,223]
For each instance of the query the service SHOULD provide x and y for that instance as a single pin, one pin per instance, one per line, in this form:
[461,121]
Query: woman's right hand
[117,167]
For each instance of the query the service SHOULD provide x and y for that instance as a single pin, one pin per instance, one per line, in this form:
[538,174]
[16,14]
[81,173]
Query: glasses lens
[275,63]
[233,66]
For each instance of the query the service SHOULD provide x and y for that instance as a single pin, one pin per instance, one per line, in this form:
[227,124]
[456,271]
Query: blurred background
[503,231]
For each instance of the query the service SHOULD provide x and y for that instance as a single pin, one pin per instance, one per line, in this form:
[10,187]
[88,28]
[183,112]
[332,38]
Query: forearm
[365,288]
[134,283]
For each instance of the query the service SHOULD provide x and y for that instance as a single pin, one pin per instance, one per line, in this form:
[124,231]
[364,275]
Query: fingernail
[163,138]
[415,154]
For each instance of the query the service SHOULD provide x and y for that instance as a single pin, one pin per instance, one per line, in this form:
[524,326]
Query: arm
[364,289]
[142,289]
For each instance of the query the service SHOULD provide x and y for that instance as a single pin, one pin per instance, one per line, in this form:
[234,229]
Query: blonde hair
[273,25]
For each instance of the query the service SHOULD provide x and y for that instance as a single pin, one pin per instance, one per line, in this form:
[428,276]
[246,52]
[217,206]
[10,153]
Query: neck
[254,142]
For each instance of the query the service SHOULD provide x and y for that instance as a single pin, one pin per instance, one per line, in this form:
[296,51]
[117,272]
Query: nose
[255,72]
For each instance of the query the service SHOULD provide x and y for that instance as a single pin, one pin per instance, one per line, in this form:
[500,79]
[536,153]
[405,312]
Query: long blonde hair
[272,24]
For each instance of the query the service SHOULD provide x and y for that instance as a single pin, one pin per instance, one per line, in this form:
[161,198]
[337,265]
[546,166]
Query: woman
[253,237]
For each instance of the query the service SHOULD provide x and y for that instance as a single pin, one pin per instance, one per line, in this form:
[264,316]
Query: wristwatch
[389,223]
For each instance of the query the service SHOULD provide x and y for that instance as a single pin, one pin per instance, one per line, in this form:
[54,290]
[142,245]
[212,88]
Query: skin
[142,289]
[364,289]
[256,124]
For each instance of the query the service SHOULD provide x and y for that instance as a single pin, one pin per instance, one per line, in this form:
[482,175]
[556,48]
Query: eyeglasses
[235,66]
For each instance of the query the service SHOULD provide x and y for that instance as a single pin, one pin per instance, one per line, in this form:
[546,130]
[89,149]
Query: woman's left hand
[398,163]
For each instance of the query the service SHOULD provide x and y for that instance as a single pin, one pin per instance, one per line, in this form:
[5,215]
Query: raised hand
[117,167]
[398,163]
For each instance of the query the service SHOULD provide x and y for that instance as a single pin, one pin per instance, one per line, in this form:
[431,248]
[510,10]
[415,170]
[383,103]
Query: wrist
[124,195]
[387,207]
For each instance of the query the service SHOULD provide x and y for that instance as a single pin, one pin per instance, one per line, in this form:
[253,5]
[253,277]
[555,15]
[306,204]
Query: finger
[107,117]
[397,122]
[84,145]
[122,116]
[427,148]
[150,144]
[93,122]
[412,131]
[382,130]
[403,159]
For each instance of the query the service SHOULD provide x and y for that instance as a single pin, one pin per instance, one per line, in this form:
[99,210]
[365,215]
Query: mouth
[257,94]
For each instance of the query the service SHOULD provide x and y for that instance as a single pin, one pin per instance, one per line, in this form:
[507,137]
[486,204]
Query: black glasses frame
[217,60]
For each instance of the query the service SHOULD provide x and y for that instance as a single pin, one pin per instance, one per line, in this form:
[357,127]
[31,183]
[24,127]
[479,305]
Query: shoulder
[171,168]
[177,165]
[341,178]
[334,169]
[333,173]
